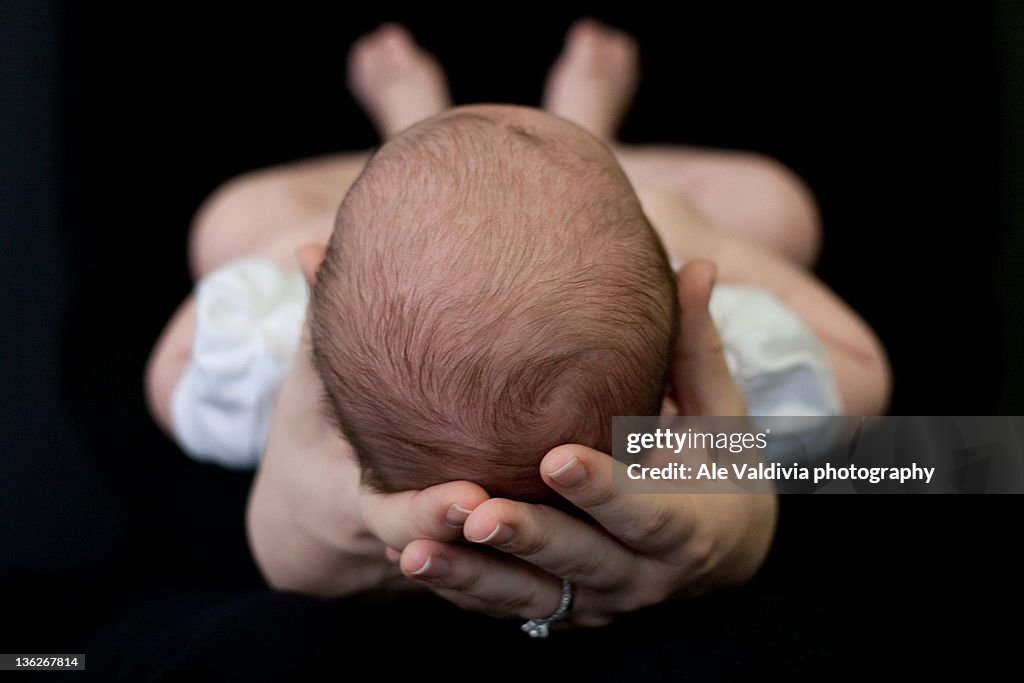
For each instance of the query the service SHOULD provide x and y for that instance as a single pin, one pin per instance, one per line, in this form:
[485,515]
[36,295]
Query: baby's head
[492,290]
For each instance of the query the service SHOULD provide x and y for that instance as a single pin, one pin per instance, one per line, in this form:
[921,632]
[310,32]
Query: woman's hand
[648,547]
[644,549]
[312,528]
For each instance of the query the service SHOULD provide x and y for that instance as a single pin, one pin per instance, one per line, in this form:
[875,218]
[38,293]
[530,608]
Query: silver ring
[538,628]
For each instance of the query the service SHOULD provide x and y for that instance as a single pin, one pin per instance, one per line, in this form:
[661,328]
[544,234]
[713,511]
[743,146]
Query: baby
[492,288]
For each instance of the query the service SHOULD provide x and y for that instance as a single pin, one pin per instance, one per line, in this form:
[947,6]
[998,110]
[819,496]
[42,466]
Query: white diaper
[781,368]
[249,316]
[777,362]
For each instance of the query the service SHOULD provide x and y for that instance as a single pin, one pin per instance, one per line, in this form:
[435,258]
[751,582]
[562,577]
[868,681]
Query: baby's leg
[592,84]
[278,209]
[593,81]
[397,82]
[745,194]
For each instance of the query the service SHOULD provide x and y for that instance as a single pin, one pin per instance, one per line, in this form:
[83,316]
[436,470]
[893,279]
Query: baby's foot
[396,82]
[593,81]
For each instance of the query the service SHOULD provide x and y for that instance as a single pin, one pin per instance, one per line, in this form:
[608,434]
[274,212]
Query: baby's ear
[310,256]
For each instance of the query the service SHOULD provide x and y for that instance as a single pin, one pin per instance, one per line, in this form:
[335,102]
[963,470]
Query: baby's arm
[272,212]
[858,361]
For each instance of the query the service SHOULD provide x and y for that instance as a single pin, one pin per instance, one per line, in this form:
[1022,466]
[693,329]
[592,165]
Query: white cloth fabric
[250,314]
[777,362]
[782,370]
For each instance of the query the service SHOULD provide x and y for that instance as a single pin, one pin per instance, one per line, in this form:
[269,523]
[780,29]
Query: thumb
[700,377]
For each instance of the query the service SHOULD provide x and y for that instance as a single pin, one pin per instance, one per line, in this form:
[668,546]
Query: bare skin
[695,200]
[396,82]
[593,81]
[313,529]
[591,84]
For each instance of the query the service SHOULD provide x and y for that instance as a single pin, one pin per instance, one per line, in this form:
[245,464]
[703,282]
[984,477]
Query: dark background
[905,121]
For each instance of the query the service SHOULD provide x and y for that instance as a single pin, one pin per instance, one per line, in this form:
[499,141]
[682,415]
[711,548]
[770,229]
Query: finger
[701,379]
[653,524]
[553,541]
[506,587]
[493,583]
[435,513]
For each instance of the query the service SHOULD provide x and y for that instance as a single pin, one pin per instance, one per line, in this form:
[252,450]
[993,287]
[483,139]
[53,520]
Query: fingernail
[500,534]
[433,567]
[571,473]
[456,515]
